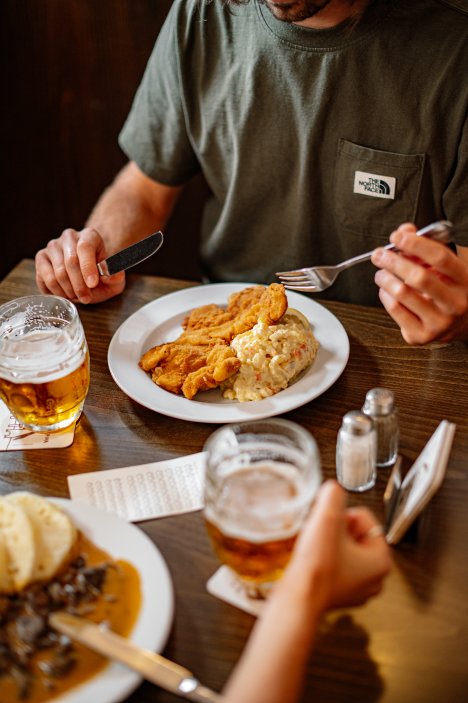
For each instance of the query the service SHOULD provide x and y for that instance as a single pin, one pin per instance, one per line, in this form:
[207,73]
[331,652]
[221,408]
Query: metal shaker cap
[379,401]
[356,423]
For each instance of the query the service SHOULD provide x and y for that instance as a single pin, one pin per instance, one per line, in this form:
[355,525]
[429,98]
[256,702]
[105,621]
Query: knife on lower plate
[149,665]
[132,255]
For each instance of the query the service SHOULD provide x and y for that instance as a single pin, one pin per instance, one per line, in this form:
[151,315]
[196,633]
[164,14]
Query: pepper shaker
[380,407]
[356,452]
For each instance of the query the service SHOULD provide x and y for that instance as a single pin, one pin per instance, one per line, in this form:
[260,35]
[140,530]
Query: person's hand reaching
[341,557]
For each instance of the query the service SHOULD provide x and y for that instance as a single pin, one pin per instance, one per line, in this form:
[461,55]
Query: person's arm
[131,208]
[334,564]
[426,290]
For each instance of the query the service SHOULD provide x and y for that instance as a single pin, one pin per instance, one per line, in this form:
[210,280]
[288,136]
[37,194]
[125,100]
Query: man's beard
[295,10]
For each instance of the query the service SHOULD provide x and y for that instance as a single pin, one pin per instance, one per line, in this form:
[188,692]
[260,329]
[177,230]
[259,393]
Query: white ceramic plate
[122,540]
[160,321]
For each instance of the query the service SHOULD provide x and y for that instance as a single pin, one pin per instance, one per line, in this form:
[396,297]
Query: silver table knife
[132,255]
[149,665]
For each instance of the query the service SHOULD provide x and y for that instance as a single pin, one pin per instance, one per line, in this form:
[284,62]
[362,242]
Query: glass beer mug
[44,361]
[260,481]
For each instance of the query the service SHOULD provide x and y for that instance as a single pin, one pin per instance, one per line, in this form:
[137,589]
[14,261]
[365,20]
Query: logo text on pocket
[374,185]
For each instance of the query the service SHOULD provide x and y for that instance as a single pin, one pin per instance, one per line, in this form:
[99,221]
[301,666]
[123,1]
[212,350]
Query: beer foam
[41,356]
[255,503]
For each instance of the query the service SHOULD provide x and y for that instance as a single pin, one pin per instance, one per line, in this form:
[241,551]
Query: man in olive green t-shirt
[319,129]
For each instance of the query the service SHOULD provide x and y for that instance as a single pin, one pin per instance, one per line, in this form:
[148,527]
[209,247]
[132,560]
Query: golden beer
[252,561]
[54,403]
[44,361]
[254,523]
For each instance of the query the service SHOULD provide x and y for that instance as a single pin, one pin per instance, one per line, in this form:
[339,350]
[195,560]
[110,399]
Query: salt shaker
[380,407]
[356,452]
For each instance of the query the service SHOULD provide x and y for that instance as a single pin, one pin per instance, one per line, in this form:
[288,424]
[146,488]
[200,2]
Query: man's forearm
[271,669]
[121,219]
[131,208]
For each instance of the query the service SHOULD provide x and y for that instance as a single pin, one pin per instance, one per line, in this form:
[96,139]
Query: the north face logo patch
[374,185]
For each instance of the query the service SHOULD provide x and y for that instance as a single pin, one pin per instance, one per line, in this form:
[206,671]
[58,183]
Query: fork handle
[441,231]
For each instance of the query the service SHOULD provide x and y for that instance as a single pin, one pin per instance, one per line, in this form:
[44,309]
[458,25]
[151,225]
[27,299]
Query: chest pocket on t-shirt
[375,191]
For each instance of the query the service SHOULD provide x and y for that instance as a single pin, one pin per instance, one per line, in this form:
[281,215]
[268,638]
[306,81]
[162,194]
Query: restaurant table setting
[138,454]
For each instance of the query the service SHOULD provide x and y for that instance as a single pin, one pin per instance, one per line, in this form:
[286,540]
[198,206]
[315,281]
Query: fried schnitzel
[212,315]
[201,358]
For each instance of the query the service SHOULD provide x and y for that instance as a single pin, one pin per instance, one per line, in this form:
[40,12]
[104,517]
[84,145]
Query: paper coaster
[14,435]
[225,585]
[145,491]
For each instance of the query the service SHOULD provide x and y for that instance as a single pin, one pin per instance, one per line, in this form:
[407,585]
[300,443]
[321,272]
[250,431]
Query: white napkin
[422,481]
[225,585]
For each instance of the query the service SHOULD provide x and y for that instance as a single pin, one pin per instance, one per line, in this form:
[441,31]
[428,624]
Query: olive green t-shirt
[315,144]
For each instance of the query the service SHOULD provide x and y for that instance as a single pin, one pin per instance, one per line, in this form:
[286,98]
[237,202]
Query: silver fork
[317,278]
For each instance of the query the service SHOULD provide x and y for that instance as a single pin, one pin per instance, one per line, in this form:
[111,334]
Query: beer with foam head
[260,481]
[44,361]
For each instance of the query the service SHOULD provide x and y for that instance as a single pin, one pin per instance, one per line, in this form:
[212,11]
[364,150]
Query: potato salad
[271,357]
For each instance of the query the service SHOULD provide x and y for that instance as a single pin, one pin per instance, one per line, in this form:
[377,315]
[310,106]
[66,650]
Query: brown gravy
[118,604]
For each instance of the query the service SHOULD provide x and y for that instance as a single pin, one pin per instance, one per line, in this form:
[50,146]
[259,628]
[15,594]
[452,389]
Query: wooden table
[409,645]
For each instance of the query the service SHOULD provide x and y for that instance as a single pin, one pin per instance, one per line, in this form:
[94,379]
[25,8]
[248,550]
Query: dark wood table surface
[410,645]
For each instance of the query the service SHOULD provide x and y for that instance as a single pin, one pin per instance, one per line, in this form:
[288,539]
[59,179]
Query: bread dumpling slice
[19,543]
[6,581]
[54,533]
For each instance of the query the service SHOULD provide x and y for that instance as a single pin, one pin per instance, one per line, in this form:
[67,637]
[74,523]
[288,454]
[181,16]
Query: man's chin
[294,10]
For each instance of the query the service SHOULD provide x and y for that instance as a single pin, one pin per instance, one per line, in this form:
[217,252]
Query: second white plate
[122,540]
[160,321]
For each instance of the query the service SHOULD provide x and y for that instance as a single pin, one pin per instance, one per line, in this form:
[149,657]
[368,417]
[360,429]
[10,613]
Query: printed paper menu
[145,491]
